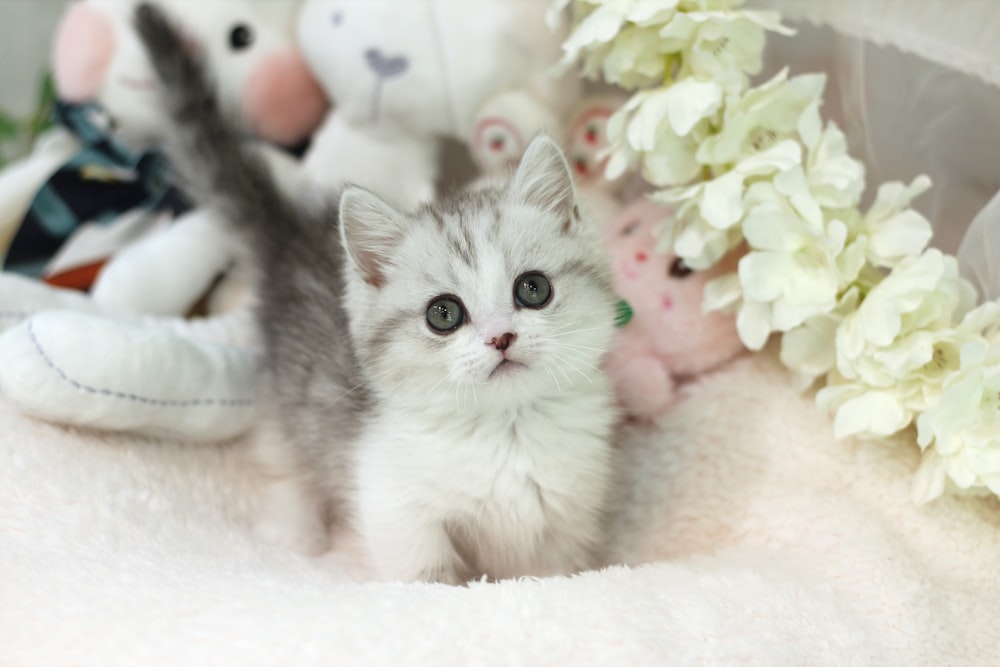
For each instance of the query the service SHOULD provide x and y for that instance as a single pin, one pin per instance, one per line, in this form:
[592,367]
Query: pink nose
[282,100]
[503,342]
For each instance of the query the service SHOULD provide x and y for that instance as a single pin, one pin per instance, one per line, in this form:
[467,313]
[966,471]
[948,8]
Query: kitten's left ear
[543,179]
[370,230]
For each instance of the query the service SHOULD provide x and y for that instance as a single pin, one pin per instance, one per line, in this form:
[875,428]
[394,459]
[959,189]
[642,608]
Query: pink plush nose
[282,100]
[84,45]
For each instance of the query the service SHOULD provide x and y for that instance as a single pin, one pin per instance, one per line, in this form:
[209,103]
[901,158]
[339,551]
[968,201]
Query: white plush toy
[97,59]
[66,359]
[403,75]
[70,358]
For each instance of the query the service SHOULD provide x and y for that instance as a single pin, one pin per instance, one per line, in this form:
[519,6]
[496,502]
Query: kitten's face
[495,296]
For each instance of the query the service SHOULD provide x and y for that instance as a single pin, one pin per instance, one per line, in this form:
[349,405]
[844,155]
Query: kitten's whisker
[548,369]
[571,362]
[560,334]
[572,355]
[582,347]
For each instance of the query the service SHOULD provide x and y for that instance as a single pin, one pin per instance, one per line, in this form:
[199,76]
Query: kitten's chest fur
[517,489]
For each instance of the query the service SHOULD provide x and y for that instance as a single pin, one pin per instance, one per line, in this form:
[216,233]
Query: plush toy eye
[445,314]
[532,290]
[240,37]
[338,17]
[678,269]
[631,227]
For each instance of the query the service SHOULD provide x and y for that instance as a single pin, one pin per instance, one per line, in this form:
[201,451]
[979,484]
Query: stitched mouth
[145,85]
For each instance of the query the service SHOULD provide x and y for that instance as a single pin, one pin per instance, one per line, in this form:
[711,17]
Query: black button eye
[445,314]
[240,37]
[678,269]
[532,290]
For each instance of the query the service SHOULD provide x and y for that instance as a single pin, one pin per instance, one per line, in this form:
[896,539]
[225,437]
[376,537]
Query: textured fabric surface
[755,538]
[960,35]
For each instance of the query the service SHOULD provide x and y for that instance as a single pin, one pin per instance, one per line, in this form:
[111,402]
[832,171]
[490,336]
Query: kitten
[434,376]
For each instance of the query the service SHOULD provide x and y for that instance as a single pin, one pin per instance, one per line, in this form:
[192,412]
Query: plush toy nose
[503,342]
[282,100]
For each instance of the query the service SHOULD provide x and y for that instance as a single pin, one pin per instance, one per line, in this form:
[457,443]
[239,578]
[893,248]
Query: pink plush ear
[84,45]
[282,100]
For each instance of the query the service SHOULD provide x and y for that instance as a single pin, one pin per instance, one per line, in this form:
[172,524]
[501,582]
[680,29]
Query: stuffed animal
[66,359]
[504,126]
[70,358]
[102,165]
[667,337]
[404,75]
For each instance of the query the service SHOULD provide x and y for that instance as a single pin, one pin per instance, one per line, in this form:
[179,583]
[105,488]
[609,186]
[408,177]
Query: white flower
[656,129]
[896,232]
[721,46]
[836,180]
[960,434]
[760,118]
[896,349]
[631,42]
[602,24]
[720,205]
[833,180]
[810,349]
[795,268]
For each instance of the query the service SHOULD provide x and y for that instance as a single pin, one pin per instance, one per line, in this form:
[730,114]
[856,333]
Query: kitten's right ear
[370,229]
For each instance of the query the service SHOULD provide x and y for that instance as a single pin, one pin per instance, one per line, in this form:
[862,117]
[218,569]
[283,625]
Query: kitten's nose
[502,342]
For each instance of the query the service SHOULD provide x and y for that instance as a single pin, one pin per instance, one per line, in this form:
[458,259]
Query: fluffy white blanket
[764,542]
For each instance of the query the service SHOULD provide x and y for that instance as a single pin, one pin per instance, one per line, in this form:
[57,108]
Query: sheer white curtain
[915,84]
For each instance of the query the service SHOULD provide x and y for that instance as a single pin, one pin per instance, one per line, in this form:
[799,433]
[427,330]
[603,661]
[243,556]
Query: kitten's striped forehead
[474,230]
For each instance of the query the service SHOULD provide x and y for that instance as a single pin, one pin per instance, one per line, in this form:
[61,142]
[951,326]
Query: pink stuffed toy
[668,338]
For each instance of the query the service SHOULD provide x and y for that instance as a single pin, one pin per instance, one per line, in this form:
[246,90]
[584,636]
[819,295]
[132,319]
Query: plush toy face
[423,67]
[666,296]
[98,57]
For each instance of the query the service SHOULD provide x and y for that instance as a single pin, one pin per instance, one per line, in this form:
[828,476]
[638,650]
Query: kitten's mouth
[505,367]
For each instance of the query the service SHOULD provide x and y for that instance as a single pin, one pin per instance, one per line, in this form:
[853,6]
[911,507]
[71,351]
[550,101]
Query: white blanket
[765,542]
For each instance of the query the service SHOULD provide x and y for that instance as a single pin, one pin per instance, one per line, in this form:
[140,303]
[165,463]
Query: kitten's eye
[532,290]
[445,314]
[240,37]
[678,269]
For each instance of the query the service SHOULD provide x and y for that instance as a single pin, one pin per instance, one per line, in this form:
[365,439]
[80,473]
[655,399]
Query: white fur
[465,467]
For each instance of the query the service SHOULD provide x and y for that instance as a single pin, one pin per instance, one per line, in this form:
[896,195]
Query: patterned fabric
[98,184]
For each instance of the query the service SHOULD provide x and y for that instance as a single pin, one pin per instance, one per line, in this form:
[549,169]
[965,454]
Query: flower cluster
[859,299]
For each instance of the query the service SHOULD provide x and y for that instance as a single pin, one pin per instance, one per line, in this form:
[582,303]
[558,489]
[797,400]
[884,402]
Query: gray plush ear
[543,179]
[370,229]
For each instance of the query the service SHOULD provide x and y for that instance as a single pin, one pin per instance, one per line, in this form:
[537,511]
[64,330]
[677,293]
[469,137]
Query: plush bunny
[404,75]
[669,337]
[104,80]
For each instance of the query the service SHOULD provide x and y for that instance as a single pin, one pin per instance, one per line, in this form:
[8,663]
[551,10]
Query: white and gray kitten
[434,377]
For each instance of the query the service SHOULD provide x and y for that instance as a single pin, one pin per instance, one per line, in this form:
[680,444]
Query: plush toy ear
[543,180]
[370,229]
[84,46]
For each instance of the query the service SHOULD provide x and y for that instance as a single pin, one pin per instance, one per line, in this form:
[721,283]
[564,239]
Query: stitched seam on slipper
[145,400]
